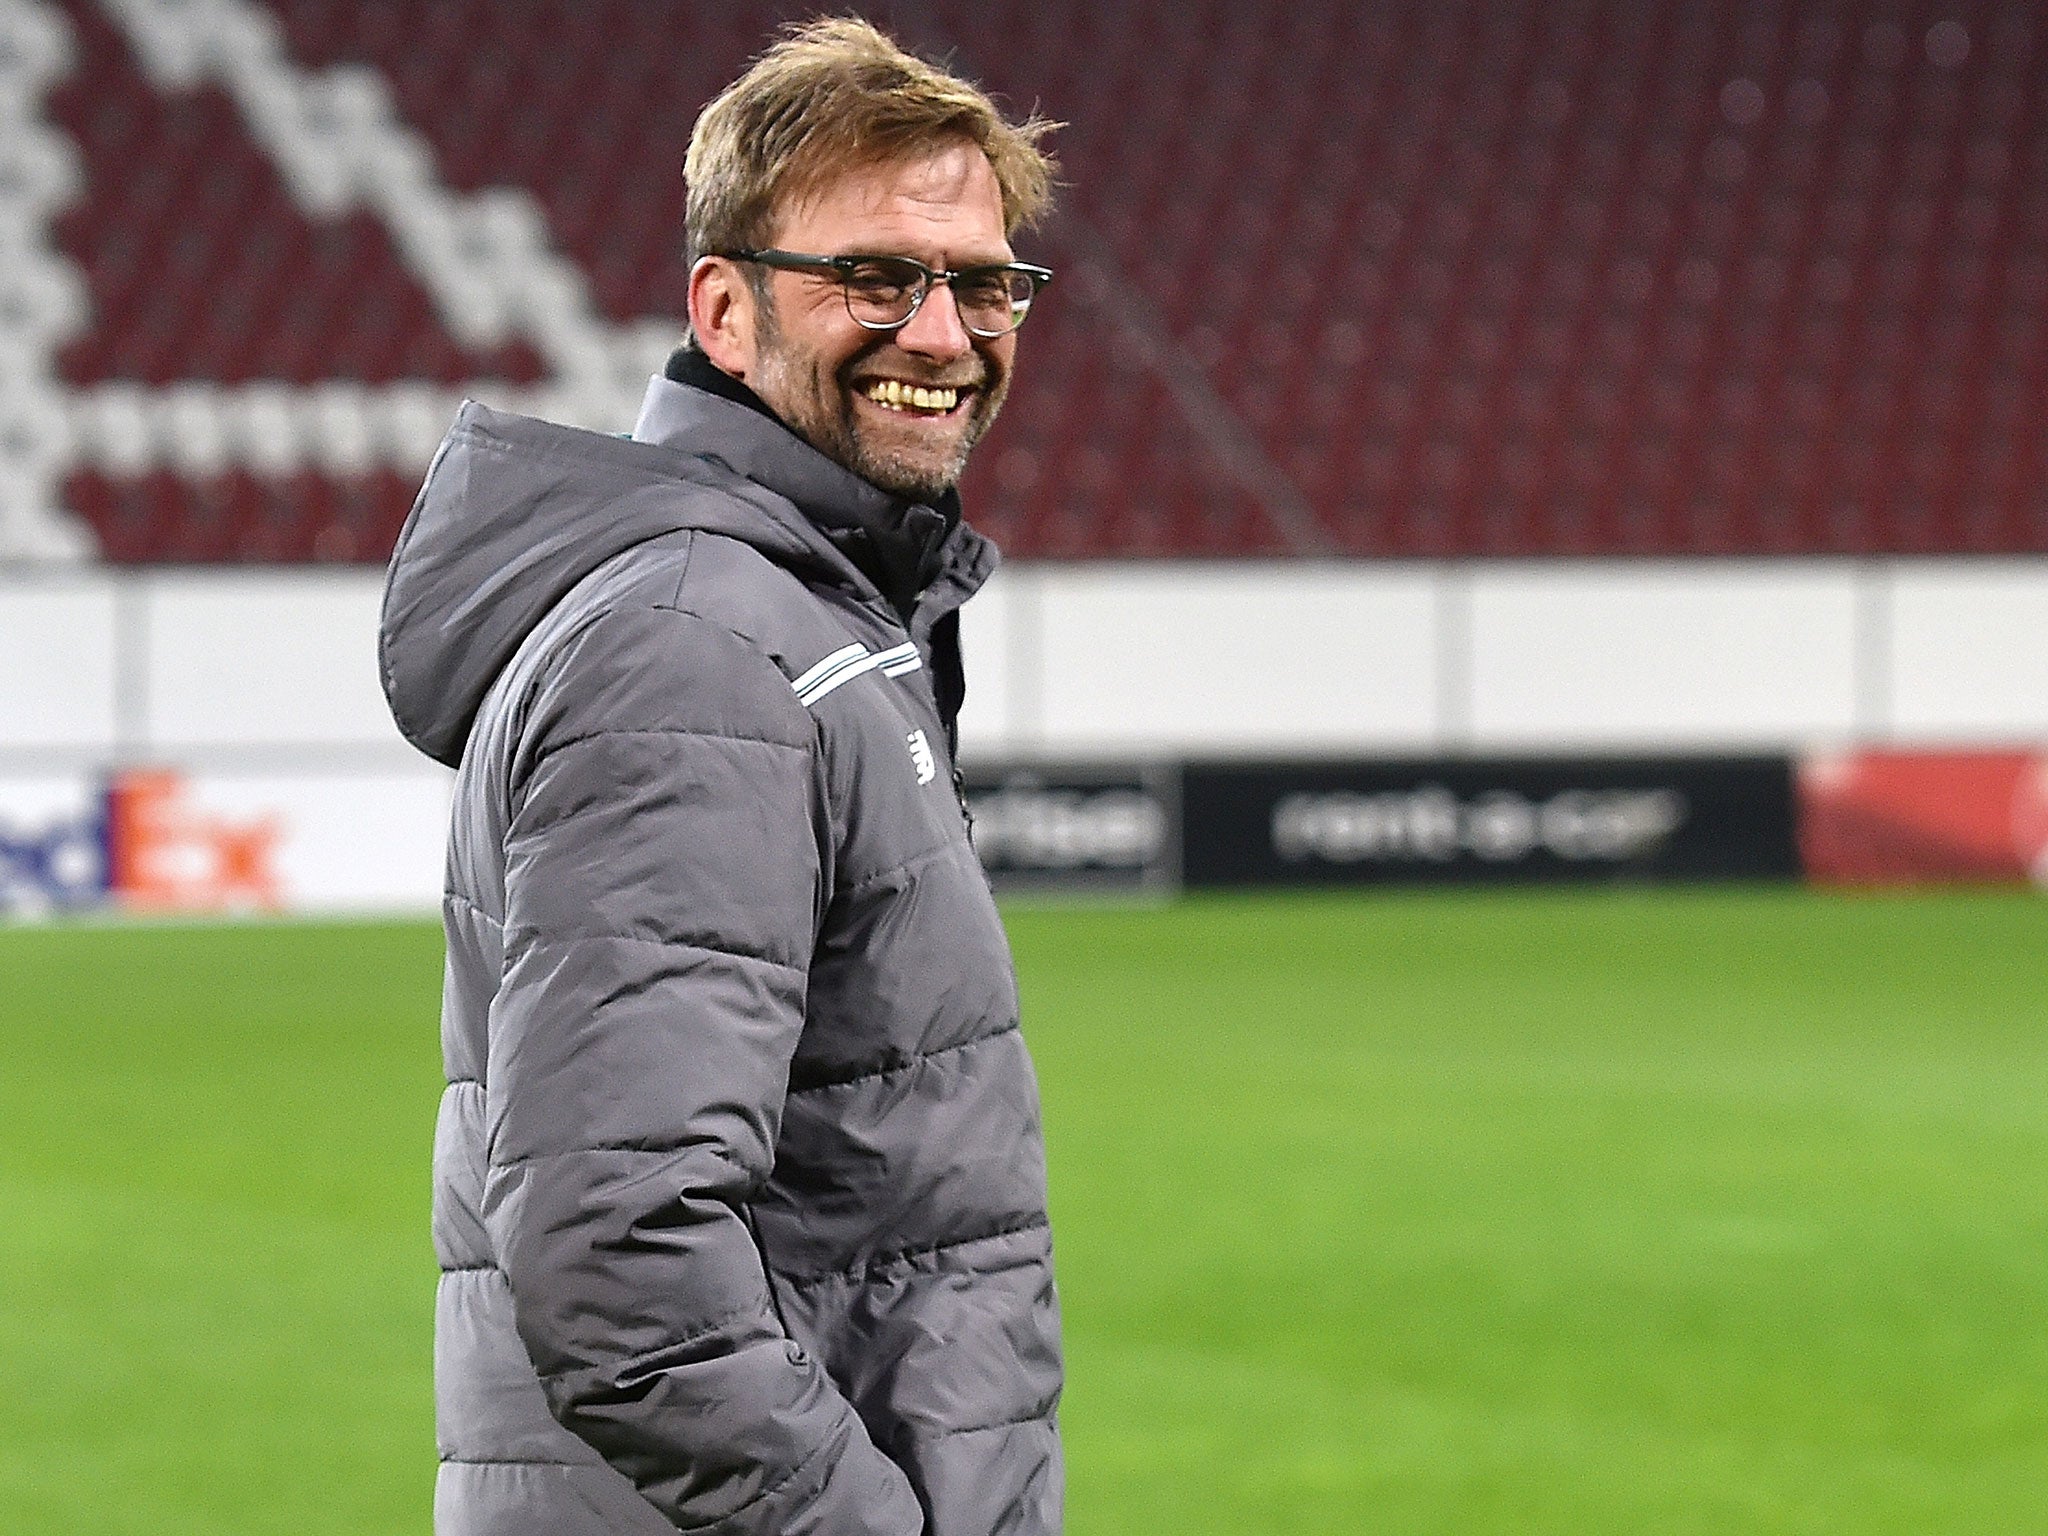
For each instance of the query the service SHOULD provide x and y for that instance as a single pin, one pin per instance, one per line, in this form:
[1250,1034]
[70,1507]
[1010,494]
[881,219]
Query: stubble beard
[822,411]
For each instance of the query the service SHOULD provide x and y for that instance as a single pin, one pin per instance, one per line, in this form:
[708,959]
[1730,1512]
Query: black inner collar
[896,547]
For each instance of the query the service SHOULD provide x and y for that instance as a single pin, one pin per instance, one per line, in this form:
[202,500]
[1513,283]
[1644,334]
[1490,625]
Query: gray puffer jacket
[739,1189]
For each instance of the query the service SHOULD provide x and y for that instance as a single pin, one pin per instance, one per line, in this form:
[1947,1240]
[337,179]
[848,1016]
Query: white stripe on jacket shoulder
[849,662]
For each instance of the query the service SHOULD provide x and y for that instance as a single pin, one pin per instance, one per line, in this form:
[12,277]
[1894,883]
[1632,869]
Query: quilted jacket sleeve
[663,863]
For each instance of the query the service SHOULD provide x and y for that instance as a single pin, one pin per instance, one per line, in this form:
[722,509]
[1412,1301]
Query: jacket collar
[901,547]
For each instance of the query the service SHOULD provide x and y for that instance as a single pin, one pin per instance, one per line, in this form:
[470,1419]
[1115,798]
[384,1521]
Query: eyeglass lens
[883,293]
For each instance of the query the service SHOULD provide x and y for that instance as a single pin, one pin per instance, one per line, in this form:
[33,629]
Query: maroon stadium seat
[1516,279]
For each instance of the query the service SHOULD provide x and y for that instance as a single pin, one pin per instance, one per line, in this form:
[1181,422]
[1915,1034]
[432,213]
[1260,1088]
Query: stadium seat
[1605,279]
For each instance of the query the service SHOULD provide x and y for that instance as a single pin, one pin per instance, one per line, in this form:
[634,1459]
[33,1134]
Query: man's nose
[935,331]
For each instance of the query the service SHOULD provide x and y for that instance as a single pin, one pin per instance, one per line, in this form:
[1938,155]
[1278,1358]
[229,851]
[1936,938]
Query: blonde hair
[833,95]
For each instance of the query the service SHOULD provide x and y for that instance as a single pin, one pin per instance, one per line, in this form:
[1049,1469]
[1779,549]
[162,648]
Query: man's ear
[722,307]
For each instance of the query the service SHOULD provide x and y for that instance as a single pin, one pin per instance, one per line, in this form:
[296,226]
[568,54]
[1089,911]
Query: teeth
[897,395]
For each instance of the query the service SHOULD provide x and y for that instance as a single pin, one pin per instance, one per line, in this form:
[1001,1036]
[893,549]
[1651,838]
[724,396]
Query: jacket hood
[515,511]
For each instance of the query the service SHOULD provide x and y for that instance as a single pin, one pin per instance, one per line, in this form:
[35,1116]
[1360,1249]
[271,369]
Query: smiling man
[846,350]
[739,1183]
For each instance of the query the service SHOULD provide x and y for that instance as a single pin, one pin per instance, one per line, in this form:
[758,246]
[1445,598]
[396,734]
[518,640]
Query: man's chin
[885,452]
[911,476]
[908,485]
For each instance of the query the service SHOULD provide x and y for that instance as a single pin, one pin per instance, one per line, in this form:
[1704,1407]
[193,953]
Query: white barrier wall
[216,666]
[1128,660]
[264,668]
[58,684]
[288,785]
[206,740]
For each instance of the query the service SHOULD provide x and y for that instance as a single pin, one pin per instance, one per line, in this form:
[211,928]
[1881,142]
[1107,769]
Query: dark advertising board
[1487,820]
[1098,827]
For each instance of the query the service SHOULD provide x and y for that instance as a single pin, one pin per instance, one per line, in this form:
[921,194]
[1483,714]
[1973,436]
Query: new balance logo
[921,757]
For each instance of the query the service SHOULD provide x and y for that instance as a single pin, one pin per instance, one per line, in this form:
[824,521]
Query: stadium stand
[1582,277]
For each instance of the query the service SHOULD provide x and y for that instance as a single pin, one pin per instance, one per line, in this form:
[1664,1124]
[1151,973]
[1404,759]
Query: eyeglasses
[883,292]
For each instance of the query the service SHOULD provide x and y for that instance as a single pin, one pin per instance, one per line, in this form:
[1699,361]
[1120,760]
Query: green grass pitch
[1537,1214]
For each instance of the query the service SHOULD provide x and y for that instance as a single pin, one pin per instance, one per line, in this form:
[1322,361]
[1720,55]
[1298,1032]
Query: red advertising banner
[1899,818]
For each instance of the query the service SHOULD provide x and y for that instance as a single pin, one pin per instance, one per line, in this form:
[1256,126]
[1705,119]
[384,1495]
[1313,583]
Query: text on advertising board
[1096,826]
[140,844]
[1487,819]
[1499,826]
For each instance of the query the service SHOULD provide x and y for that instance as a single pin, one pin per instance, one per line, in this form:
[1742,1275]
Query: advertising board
[1488,820]
[1099,827]
[53,844]
[162,841]
[1894,818]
